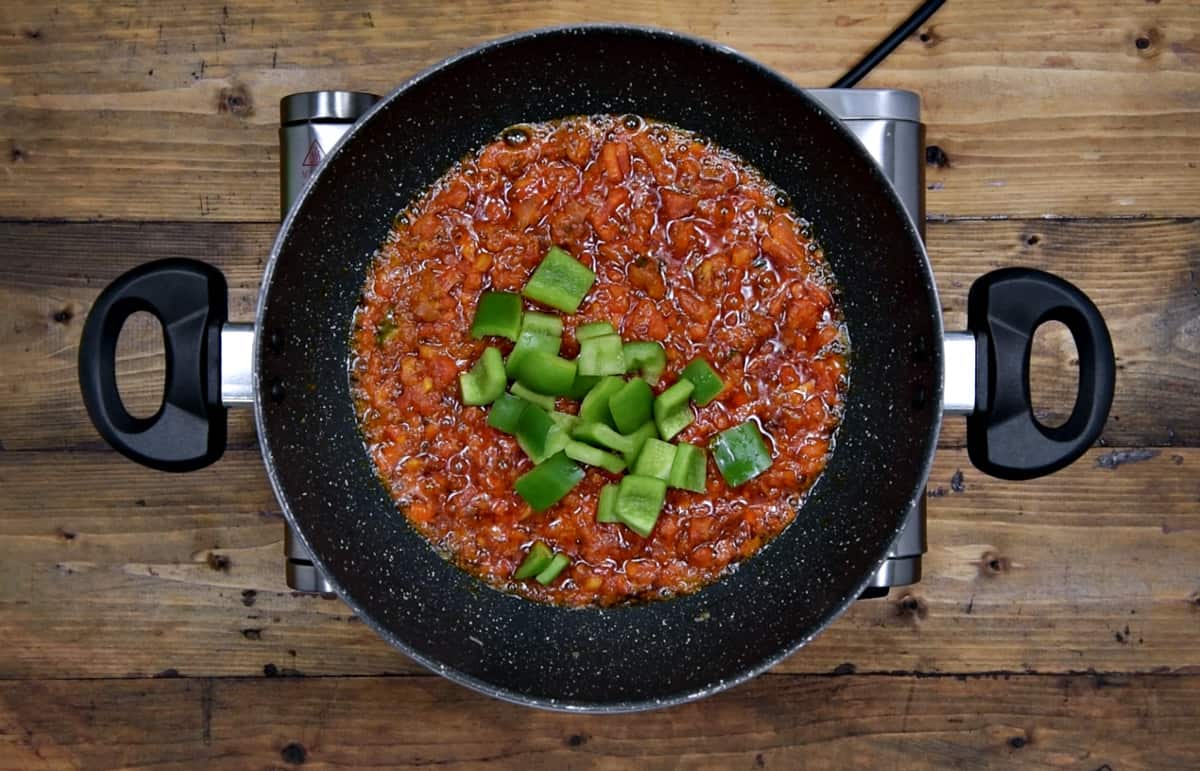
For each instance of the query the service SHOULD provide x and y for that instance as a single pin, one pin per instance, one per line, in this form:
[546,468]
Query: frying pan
[622,658]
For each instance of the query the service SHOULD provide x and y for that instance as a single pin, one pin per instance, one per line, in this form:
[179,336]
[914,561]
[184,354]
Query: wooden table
[144,620]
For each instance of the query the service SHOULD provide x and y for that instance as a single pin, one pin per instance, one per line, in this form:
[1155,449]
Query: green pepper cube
[606,507]
[539,436]
[546,373]
[600,435]
[689,471]
[498,313]
[594,456]
[740,453]
[594,329]
[565,422]
[505,413]
[547,483]
[539,332]
[603,355]
[557,564]
[639,502]
[672,413]
[594,407]
[582,385]
[533,397]
[529,343]
[535,561]
[646,357]
[707,382]
[485,382]
[386,331]
[655,460]
[542,324]
[630,407]
[638,438]
[560,281]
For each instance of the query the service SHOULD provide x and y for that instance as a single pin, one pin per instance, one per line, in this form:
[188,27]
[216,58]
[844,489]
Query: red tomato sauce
[691,247]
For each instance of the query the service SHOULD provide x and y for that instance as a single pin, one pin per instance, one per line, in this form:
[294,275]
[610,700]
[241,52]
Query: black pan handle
[189,299]
[1004,308]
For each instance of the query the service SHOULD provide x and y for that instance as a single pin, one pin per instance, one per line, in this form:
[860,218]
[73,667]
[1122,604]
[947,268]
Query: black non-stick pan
[622,658]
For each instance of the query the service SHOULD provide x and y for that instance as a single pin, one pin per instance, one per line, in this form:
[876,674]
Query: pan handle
[1004,309]
[189,299]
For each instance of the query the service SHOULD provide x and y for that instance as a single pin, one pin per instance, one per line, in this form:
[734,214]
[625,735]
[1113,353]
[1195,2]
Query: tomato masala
[691,247]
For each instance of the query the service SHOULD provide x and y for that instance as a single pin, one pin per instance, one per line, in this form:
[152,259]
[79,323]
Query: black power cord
[888,44]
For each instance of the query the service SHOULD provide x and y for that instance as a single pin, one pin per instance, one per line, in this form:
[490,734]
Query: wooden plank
[113,570]
[166,111]
[1081,721]
[1143,275]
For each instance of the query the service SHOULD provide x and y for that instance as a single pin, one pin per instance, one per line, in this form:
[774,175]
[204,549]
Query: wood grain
[1142,274]
[167,111]
[111,570]
[1090,722]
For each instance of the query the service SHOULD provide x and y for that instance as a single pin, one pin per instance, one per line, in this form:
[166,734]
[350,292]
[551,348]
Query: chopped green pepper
[557,563]
[707,382]
[582,385]
[533,397]
[594,407]
[535,561]
[385,331]
[539,332]
[539,436]
[547,483]
[655,460]
[485,382]
[560,281]
[498,313]
[606,507]
[639,501]
[603,355]
[602,435]
[672,413]
[630,406]
[546,373]
[505,413]
[689,471]
[740,453]
[593,456]
[647,431]
[542,324]
[565,422]
[647,357]
[594,329]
